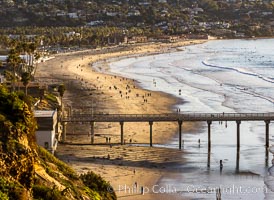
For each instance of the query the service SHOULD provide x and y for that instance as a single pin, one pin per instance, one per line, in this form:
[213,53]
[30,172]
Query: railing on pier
[169,117]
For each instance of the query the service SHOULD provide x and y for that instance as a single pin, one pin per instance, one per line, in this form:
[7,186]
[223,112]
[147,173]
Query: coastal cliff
[30,172]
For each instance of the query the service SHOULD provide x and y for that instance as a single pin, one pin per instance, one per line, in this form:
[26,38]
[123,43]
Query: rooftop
[44,113]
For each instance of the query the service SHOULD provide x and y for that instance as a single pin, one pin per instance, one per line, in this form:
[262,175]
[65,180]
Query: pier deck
[169,117]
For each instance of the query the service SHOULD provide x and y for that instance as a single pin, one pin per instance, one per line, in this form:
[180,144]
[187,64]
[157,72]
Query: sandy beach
[122,165]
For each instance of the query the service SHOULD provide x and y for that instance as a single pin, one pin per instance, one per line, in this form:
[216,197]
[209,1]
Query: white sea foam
[240,70]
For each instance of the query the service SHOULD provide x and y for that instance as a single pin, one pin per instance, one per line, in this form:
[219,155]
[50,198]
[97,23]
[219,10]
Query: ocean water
[217,76]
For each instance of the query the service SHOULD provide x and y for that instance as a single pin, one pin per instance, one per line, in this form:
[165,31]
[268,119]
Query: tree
[26,77]
[37,56]
[14,62]
[61,90]
[209,5]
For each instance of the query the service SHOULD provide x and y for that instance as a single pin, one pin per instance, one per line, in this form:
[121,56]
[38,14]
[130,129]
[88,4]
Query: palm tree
[31,50]
[36,58]
[26,77]
[14,62]
[61,90]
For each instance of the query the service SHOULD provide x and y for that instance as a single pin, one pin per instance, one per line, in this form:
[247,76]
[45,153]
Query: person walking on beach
[221,165]
[218,194]
[142,190]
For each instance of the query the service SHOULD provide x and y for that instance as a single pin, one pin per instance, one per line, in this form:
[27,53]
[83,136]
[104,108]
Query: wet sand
[101,93]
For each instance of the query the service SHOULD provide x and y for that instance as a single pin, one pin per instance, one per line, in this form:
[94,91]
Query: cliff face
[17,145]
[30,172]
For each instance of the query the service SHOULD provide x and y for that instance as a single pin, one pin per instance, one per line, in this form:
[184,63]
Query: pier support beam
[267,133]
[208,157]
[180,133]
[122,132]
[238,122]
[238,162]
[92,132]
[64,131]
[209,134]
[150,132]
[266,156]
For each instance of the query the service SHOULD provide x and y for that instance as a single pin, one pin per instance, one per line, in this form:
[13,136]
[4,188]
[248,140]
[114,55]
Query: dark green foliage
[12,190]
[41,192]
[96,183]
[25,78]
[15,109]
[61,90]
[3,196]
[51,97]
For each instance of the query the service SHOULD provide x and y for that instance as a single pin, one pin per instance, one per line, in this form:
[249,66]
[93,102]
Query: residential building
[48,131]
[2,78]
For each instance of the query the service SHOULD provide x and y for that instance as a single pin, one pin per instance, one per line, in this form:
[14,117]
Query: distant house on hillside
[2,78]
[134,13]
[95,23]
[198,36]
[167,38]
[144,3]
[116,39]
[48,131]
[27,59]
[136,39]
[73,15]
[72,33]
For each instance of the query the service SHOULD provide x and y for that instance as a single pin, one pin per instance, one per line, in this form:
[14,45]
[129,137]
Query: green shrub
[41,192]
[51,97]
[12,190]
[96,183]
[3,196]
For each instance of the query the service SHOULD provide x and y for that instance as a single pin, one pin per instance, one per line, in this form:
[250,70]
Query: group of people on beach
[108,139]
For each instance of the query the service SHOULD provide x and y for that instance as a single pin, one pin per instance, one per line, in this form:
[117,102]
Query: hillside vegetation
[30,172]
[222,18]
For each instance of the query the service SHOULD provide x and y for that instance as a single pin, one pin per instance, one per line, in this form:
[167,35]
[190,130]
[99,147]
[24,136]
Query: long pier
[171,117]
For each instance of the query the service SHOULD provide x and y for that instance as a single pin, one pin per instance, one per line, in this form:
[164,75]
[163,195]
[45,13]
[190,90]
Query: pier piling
[180,133]
[209,134]
[92,132]
[208,157]
[267,133]
[150,132]
[237,162]
[238,122]
[122,132]
[64,131]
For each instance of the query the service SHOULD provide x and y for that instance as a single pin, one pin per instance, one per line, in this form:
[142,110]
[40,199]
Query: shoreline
[80,77]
